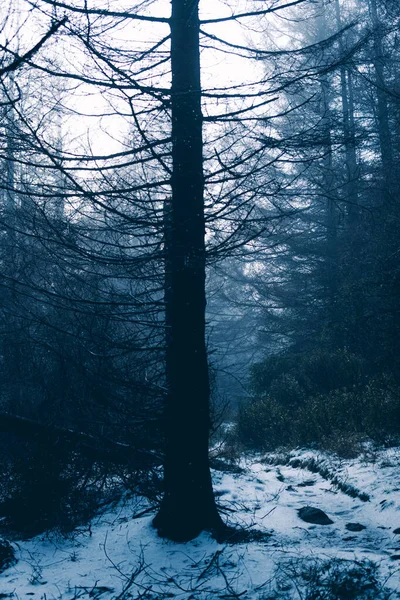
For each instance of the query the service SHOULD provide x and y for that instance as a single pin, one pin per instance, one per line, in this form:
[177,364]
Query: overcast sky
[218,69]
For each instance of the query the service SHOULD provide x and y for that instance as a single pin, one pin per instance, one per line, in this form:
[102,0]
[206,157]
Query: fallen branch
[99,448]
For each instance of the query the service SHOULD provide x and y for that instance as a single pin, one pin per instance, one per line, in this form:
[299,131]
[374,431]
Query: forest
[200,299]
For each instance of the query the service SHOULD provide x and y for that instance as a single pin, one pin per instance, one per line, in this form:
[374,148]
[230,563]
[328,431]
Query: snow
[120,557]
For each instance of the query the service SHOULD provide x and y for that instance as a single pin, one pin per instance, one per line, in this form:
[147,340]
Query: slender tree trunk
[353,164]
[382,104]
[328,189]
[59,208]
[188,506]
[9,197]
[331,211]
[11,342]
[348,132]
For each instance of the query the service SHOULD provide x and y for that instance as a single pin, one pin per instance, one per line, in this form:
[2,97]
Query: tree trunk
[382,104]
[188,506]
[348,131]
[11,341]
[328,188]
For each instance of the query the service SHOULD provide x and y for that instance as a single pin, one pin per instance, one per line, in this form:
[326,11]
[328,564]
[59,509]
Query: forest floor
[119,557]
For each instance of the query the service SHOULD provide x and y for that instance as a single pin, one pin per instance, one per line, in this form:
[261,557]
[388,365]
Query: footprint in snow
[307,483]
[386,504]
[290,488]
[341,513]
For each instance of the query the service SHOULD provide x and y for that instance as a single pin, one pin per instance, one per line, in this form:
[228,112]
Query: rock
[396,531]
[309,514]
[355,527]
[7,555]
[306,483]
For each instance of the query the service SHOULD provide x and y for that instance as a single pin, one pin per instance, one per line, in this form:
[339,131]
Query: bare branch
[19,60]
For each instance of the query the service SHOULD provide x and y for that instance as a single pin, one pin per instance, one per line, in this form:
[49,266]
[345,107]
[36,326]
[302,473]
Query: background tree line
[101,250]
[332,295]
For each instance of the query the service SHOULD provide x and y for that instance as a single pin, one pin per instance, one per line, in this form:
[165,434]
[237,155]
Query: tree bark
[188,506]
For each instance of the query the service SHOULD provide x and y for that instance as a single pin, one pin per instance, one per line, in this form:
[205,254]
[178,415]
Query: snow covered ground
[120,557]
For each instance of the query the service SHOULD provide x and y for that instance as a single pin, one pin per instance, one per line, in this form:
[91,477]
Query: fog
[199,260]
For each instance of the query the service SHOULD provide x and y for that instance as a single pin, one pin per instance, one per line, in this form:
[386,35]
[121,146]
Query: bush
[7,555]
[314,373]
[325,399]
[48,487]
[333,579]
[263,424]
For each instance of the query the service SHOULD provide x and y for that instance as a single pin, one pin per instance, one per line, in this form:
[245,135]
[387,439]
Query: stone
[309,514]
[355,527]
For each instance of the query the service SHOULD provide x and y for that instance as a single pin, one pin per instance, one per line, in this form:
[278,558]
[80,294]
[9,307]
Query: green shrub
[287,391]
[321,398]
[335,579]
[316,372]
[269,370]
[48,488]
[263,424]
